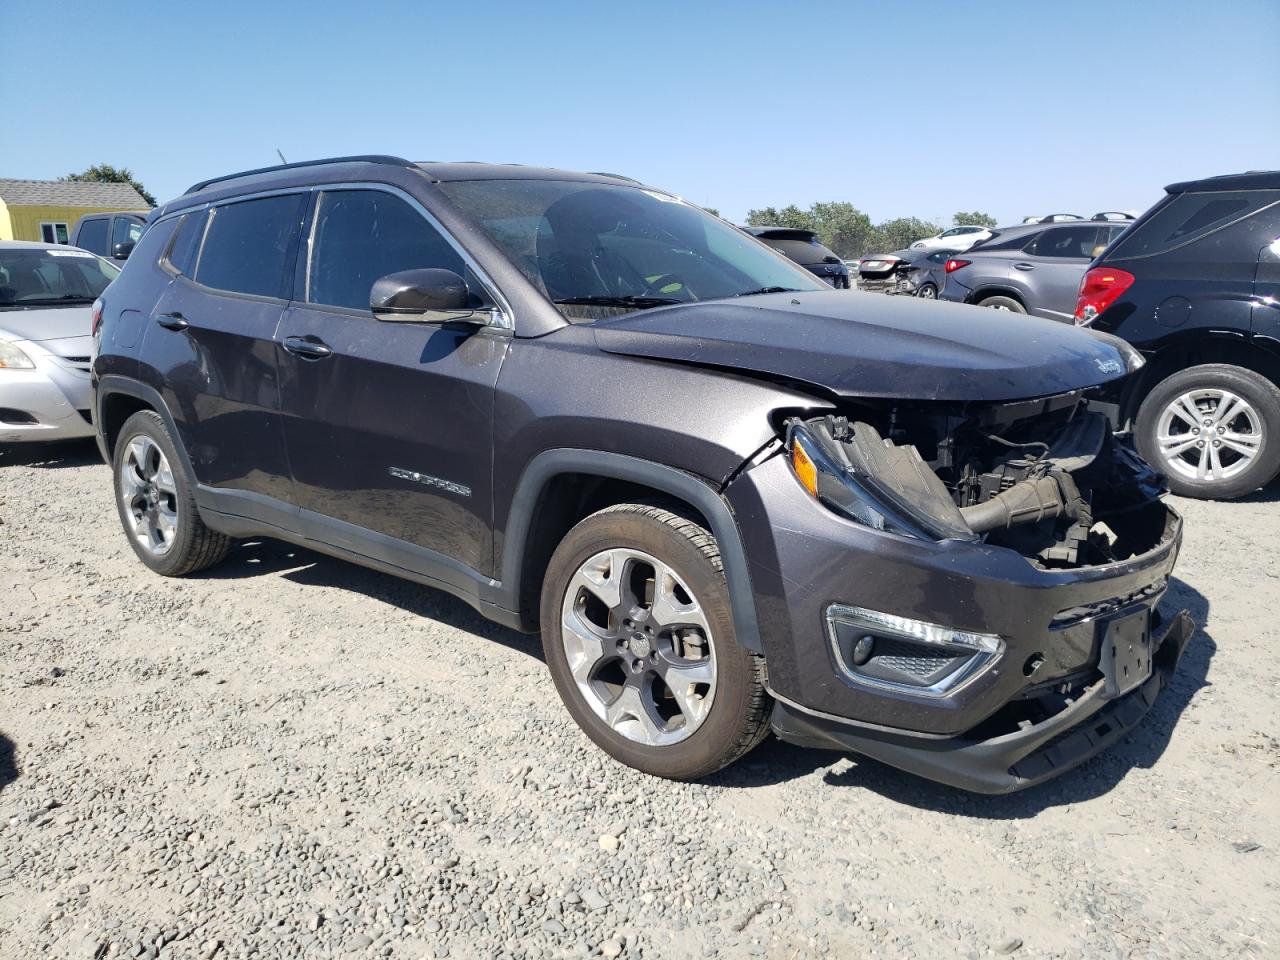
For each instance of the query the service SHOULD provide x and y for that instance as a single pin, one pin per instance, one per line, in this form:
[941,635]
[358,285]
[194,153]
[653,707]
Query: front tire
[638,635]
[156,501]
[1213,430]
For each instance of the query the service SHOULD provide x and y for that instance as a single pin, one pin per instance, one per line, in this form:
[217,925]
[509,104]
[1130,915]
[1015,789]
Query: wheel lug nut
[1199,443]
[1222,429]
[1195,430]
[1217,443]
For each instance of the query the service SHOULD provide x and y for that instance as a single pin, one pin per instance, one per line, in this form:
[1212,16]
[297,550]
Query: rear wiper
[626,301]
[752,293]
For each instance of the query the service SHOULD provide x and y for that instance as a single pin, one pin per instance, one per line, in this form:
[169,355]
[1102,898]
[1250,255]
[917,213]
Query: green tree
[974,219]
[902,232]
[105,173]
[712,210]
[788,216]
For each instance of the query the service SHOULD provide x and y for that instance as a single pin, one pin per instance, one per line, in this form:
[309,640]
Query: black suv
[1195,285]
[803,247]
[730,498]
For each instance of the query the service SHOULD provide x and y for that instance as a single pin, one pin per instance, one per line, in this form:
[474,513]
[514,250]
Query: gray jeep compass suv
[730,498]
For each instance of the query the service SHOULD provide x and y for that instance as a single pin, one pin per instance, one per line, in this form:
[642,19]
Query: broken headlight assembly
[825,472]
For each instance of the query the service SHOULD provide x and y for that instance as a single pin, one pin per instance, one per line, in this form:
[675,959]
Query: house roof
[70,193]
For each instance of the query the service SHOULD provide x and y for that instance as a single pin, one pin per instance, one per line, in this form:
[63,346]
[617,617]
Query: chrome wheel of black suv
[638,634]
[1214,430]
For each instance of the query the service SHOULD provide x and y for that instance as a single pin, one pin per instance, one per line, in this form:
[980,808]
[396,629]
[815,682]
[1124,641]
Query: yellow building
[48,209]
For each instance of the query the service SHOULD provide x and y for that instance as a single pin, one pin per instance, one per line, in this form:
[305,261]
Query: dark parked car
[110,235]
[1033,268]
[1195,285]
[924,273]
[803,247]
[731,498]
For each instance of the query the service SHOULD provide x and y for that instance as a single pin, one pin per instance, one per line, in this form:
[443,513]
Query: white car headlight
[11,358]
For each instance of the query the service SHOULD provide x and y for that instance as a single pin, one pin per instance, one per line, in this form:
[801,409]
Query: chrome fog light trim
[981,649]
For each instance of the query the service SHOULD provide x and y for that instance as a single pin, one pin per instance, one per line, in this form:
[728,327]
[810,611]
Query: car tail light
[955,264]
[1099,289]
[95,315]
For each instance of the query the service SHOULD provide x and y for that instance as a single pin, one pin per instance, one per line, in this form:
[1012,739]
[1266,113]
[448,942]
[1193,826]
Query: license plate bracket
[1125,657]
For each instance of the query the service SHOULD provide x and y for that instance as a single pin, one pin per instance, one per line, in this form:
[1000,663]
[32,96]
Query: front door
[388,425]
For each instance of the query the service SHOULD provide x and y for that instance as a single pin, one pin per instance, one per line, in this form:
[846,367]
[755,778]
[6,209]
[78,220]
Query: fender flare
[115,384]
[677,483]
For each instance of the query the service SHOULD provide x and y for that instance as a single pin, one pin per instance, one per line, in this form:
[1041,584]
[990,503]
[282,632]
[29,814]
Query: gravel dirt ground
[289,756]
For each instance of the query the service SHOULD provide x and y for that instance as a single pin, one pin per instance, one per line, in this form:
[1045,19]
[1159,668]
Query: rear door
[210,344]
[1052,265]
[388,424]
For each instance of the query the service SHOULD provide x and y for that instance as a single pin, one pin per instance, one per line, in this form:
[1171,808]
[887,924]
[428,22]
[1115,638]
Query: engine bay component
[1047,479]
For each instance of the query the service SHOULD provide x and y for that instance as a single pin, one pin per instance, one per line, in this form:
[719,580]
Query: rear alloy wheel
[156,502]
[1213,430]
[638,636]
[927,292]
[1002,303]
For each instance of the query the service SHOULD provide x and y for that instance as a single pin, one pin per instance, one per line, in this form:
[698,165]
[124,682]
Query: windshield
[39,277]
[595,249]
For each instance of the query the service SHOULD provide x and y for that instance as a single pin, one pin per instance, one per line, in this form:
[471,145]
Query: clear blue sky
[1010,107]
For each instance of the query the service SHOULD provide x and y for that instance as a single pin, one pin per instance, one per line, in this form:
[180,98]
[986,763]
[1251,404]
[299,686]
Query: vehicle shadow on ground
[50,454]
[776,762]
[255,558]
[8,762]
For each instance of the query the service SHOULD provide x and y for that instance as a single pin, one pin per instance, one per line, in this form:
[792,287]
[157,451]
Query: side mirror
[122,250]
[426,295]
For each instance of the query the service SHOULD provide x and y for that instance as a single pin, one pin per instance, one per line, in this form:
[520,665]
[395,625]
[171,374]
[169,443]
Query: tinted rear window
[1190,217]
[801,251]
[186,243]
[1071,243]
[249,246]
[93,235]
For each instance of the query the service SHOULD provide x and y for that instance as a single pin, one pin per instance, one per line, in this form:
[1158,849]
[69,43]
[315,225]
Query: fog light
[862,649]
[886,651]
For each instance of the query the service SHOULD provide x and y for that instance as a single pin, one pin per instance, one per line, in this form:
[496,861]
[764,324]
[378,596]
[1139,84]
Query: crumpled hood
[48,323]
[872,345]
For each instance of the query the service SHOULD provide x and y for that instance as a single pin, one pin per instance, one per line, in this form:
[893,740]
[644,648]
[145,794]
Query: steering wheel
[666,285]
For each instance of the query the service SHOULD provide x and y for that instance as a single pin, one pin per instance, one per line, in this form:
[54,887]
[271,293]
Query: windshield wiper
[639,303]
[752,293]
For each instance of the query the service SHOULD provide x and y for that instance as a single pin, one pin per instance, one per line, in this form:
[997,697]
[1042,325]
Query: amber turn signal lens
[804,468]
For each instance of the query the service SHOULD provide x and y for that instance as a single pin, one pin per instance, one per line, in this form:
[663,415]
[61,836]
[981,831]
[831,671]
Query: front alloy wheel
[638,634]
[639,647]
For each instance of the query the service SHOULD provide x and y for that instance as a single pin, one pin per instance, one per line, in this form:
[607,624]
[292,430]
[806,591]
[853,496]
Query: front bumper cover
[1014,761]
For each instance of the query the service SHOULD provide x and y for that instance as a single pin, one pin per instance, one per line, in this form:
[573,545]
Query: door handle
[172,321]
[1024,266]
[307,349]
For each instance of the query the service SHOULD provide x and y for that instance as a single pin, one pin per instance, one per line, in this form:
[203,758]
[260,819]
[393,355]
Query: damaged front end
[989,605]
[1044,478]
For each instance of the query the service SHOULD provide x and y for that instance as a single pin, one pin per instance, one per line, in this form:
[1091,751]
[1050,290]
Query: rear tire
[653,676]
[1212,430]
[1002,303]
[155,499]
[927,292]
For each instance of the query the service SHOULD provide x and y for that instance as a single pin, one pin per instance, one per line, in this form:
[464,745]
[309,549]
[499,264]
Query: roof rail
[362,158]
[615,176]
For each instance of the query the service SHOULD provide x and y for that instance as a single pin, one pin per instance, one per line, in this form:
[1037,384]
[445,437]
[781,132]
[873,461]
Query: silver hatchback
[46,342]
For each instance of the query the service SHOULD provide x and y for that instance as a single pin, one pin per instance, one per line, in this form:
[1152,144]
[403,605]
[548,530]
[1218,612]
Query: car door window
[93,236]
[1064,243]
[360,236]
[125,230]
[185,247]
[250,246]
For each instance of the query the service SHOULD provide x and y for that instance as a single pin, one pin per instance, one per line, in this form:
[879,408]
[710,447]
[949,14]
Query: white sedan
[957,238]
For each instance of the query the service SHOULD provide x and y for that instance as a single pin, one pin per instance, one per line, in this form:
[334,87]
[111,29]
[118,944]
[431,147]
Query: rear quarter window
[1225,224]
[92,235]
